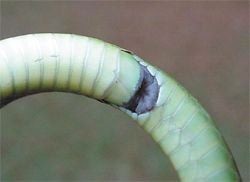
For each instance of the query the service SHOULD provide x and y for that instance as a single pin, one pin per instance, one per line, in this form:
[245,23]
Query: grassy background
[205,46]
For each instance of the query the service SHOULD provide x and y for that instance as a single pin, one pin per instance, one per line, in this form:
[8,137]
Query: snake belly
[87,66]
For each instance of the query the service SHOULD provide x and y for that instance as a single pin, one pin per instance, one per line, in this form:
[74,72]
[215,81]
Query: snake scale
[87,66]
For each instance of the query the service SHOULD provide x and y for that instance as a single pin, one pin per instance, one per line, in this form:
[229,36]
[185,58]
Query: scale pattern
[69,63]
[187,134]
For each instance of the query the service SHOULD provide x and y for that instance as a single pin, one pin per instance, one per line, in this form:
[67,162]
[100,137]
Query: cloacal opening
[146,94]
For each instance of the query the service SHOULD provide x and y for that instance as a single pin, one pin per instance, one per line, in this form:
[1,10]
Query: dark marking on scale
[146,93]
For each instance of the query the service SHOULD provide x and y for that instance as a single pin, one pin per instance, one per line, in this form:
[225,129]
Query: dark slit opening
[146,94]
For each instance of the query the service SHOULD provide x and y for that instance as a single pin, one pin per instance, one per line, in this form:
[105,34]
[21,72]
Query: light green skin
[87,66]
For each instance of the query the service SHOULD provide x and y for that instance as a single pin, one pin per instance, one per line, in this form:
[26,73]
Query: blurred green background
[65,137]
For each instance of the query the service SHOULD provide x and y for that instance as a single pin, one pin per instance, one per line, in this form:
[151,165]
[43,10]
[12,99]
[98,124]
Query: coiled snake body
[70,63]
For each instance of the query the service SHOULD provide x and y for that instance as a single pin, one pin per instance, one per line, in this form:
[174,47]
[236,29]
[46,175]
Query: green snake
[87,66]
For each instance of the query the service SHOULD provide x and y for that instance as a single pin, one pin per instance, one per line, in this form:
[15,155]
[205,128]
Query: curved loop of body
[70,63]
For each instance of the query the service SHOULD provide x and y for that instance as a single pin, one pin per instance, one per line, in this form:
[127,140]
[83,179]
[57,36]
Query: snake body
[87,66]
